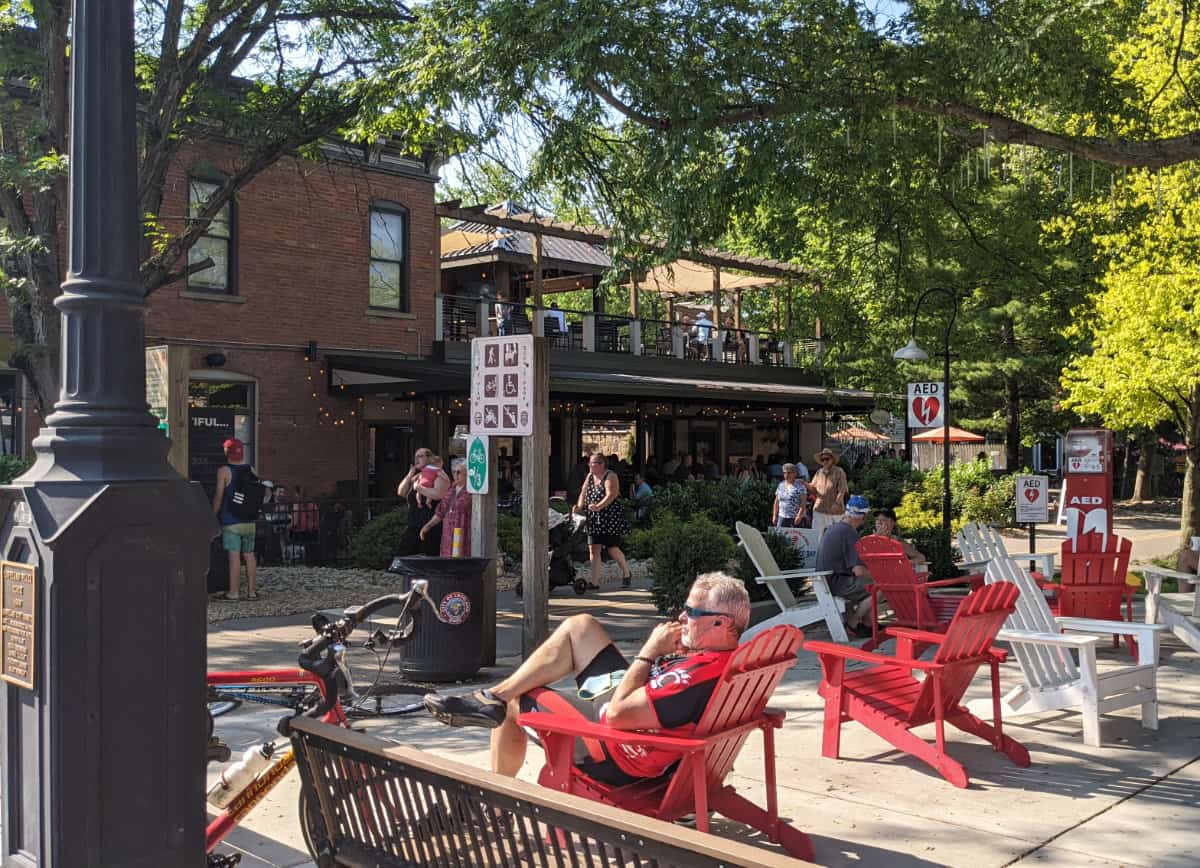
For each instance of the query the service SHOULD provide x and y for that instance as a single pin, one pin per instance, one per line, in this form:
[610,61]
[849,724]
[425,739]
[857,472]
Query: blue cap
[857,505]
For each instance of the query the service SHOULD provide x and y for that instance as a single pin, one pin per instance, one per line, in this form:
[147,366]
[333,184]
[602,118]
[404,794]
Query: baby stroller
[566,534]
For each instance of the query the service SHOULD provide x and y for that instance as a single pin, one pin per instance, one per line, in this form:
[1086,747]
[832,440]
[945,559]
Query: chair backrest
[892,571]
[1042,666]
[1093,576]
[968,637]
[756,547]
[980,542]
[741,695]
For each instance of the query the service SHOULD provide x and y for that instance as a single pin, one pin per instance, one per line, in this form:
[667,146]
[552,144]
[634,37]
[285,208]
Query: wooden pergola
[716,260]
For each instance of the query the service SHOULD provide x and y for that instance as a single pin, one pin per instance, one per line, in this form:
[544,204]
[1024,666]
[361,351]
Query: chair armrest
[1029,637]
[1163,572]
[849,652]
[916,635]
[793,574]
[1109,628]
[947,583]
[974,566]
[556,723]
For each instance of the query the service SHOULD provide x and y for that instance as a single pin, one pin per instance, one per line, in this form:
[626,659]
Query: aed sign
[926,405]
[1033,499]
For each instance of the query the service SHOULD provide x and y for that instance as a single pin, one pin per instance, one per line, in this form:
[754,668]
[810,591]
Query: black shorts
[591,757]
[608,540]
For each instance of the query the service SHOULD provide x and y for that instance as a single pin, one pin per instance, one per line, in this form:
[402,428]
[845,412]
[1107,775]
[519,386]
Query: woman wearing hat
[831,487]
[790,499]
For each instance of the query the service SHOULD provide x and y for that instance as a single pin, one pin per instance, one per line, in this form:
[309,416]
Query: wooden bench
[385,805]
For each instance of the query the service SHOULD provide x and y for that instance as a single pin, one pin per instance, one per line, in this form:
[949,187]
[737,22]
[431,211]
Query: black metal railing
[314,531]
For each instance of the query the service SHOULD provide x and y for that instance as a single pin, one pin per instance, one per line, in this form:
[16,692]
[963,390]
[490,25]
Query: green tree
[276,76]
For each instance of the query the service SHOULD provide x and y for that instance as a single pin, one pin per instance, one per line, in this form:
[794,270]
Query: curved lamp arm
[953,312]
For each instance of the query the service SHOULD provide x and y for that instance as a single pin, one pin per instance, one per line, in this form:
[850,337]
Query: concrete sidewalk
[1134,802]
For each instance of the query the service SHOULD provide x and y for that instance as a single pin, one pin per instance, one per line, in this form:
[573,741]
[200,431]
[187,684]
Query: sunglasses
[692,612]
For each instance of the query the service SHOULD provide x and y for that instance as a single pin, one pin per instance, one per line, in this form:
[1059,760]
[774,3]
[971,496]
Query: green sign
[477,464]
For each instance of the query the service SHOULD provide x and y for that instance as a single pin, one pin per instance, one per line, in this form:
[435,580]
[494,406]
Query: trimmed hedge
[375,544]
[692,547]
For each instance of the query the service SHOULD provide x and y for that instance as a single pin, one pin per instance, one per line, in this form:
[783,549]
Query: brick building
[311,257]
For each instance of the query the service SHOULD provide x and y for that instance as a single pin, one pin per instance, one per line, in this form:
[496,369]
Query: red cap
[235,449]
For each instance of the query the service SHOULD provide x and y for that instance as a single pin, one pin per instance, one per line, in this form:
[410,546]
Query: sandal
[225,598]
[252,597]
[627,581]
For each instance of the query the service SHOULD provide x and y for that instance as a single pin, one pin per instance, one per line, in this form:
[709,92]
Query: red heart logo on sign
[1031,494]
[926,409]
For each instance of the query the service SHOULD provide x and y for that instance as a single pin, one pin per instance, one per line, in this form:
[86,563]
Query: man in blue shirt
[837,553]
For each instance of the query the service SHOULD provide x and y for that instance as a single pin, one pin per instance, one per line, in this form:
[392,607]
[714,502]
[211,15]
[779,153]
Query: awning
[685,278]
[369,373]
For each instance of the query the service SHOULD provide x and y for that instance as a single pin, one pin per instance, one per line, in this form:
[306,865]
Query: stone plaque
[16,628]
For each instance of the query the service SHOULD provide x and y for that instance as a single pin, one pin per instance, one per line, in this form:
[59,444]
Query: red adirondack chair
[1094,569]
[737,707]
[890,702]
[907,592]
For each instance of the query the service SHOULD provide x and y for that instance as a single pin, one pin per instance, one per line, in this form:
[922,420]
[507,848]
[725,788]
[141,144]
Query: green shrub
[996,505]
[641,542]
[375,544]
[726,501]
[786,556]
[884,482]
[696,546]
[12,466]
[508,536]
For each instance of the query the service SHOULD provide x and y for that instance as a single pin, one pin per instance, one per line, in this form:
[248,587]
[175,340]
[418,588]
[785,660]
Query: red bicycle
[314,690]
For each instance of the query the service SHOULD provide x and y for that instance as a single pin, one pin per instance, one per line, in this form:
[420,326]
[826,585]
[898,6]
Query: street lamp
[912,352]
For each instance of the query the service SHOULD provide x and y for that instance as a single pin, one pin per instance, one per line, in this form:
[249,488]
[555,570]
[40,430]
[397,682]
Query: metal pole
[92,774]
[946,447]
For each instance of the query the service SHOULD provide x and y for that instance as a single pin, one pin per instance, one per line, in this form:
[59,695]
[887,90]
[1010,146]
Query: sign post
[510,397]
[1033,504]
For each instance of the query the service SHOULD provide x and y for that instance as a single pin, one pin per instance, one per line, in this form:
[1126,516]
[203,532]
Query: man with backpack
[236,503]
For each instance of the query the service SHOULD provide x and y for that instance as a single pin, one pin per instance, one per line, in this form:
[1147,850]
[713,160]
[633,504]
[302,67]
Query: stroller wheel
[581,587]
[519,589]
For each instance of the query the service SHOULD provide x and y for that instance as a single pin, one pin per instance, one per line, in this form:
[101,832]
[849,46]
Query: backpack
[247,497]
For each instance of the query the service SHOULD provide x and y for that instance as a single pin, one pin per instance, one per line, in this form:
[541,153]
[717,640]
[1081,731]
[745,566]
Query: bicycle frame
[245,801]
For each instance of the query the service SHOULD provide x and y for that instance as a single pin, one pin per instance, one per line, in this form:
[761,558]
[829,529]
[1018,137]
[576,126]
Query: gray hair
[727,594]
[789,466]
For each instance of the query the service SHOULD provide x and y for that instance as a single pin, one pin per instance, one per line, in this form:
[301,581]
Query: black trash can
[452,651]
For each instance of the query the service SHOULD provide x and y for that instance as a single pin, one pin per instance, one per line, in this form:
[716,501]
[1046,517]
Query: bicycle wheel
[222,705]
[312,826]
[388,700]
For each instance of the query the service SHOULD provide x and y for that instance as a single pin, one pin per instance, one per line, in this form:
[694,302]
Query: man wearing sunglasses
[666,686]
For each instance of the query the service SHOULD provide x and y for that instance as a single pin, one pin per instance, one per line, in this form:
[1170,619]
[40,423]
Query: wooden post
[671,309]
[537,270]
[716,299]
[484,545]
[535,500]
[737,309]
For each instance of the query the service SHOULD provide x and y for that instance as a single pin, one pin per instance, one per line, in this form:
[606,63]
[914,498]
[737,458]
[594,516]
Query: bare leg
[572,646]
[235,572]
[594,557]
[619,556]
[251,573]
[861,612]
[508,742]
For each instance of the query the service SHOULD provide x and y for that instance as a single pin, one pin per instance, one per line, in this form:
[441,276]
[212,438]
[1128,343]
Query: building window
[216,243]
[389,265]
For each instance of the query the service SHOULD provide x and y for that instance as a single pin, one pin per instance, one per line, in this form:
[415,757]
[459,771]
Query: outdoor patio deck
[1134,802]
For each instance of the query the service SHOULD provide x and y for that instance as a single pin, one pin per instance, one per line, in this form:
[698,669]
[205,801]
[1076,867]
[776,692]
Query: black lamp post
[100,752]
[912,352]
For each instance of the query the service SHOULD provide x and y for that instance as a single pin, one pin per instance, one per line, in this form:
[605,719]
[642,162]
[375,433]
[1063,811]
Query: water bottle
[235,778]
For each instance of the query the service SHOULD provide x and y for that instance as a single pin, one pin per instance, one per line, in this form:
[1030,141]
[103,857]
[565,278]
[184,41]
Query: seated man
[885,526]
[836,552]
[666,687]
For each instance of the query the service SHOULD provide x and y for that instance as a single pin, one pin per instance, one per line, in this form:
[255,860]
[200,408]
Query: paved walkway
[1134,802]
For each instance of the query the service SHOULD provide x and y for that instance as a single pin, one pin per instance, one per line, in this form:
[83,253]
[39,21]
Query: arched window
[389,257]
[216,243]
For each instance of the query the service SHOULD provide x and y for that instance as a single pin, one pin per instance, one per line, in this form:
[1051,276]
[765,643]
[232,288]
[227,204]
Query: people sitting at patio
[666,687]
[885,526]
[848,576]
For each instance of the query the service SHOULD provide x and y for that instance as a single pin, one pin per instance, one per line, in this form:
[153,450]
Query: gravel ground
[299,590]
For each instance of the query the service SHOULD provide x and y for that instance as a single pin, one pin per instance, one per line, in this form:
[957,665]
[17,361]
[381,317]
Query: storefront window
[218,410]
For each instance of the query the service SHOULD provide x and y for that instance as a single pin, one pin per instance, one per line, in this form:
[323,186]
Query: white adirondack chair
[820,605]
[979,543]
[1053,679]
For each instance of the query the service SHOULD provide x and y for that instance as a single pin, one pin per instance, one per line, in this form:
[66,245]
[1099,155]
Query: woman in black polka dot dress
[605,518]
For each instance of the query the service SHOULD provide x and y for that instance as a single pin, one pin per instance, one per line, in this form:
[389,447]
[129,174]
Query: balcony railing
[460,318]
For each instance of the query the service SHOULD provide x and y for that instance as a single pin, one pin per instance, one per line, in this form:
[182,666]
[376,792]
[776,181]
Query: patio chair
[1094,572]
[890,702]
[907,592]
[737,707]
[979,543]
[816,604]
[1053,679]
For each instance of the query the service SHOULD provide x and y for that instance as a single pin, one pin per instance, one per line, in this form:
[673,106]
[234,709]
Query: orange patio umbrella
[854,433]
[957,435]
